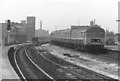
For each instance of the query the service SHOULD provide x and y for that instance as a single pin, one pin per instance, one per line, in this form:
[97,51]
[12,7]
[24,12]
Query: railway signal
[8,33]
[8,25]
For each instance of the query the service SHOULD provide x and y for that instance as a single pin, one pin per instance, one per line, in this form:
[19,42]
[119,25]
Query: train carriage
[82,38]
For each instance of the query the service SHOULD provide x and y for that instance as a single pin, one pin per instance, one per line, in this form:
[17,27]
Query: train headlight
[92,40]
[98,40]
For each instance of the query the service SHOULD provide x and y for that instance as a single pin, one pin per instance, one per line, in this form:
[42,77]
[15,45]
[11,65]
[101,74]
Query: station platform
[6,70]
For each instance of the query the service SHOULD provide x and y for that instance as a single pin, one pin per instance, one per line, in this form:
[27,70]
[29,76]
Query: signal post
[8,31]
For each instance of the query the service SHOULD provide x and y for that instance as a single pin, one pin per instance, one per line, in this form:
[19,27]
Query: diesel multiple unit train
[84,38]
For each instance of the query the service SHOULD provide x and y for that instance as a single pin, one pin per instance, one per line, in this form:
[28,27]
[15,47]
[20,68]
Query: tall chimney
[91,23]
[41,24]
[94,21]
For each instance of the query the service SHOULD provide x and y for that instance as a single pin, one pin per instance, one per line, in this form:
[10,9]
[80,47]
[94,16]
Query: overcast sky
[61,14]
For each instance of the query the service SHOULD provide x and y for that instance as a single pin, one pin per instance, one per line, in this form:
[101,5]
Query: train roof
[64,30]
[94,28]
[84,28]
[79,27]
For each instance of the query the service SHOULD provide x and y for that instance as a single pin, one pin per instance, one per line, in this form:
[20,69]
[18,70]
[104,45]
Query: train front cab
[95,39]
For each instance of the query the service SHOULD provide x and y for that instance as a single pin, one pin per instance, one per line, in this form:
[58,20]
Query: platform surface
[6,70]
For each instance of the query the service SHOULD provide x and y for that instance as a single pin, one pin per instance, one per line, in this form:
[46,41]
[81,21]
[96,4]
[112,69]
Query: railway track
[25,68]
[31,65]
[20,73]
[54,67]
[79,71]
[110,71]
[63,67]
[11,55]
[23,63]
[117,57]
[112,55]
[39,67]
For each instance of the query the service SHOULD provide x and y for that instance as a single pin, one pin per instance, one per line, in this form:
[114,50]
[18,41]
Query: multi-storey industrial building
[30,28]
[16,34]
[20,32]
